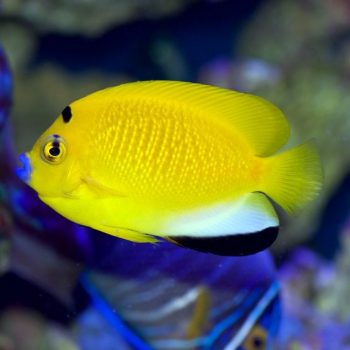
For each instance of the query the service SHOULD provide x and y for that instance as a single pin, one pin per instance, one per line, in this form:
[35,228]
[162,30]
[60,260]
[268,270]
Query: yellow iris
[53,150]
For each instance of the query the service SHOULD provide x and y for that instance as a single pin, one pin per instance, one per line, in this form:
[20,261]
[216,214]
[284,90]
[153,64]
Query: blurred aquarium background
[66,287]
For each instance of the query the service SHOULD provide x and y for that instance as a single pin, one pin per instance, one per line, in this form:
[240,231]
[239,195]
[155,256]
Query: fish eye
[53,150]
[256,339]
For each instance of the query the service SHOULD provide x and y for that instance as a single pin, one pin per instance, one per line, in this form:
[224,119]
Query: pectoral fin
[101,190]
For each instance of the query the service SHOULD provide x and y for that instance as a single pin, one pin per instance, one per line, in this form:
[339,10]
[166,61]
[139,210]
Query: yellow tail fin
[293,178]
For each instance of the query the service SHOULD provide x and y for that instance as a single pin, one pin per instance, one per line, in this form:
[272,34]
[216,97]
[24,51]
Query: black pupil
[258,343]
[54,151]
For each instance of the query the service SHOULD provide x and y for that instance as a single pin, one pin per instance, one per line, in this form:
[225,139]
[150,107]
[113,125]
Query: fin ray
[294,177]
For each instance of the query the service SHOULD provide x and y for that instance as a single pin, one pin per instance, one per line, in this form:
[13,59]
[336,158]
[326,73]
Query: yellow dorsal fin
[258,121]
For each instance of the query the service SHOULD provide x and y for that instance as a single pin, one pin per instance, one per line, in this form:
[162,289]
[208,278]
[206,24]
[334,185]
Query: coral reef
[315,294]
[88,17]
[333,298]
[23,329]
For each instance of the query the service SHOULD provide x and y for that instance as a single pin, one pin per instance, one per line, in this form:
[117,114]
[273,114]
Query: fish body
[189,162]
[175,298]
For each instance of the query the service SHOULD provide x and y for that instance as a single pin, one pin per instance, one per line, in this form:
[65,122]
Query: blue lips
[24,170]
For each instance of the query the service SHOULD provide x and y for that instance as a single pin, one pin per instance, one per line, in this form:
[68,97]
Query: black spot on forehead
[67,114]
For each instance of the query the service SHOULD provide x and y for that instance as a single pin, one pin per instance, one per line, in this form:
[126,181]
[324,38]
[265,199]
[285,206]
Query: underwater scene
[174,175]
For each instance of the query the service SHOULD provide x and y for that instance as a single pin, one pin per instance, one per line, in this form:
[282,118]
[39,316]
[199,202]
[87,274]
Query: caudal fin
[293,178]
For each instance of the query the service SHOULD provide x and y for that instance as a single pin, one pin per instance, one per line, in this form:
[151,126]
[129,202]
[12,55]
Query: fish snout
[24,169]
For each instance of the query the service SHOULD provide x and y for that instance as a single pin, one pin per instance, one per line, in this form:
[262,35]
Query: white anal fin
[241,227]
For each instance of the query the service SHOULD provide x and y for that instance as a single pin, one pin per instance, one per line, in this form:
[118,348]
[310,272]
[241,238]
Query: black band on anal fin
[234,245]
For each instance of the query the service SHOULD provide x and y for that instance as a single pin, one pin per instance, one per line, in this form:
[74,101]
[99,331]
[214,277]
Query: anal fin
[239,227]
[231,245]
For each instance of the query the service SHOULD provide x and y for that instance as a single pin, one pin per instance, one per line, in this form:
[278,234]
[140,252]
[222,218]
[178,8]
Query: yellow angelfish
[192,163]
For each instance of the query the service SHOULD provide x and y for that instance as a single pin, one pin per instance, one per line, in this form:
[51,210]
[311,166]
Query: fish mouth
[24,170]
